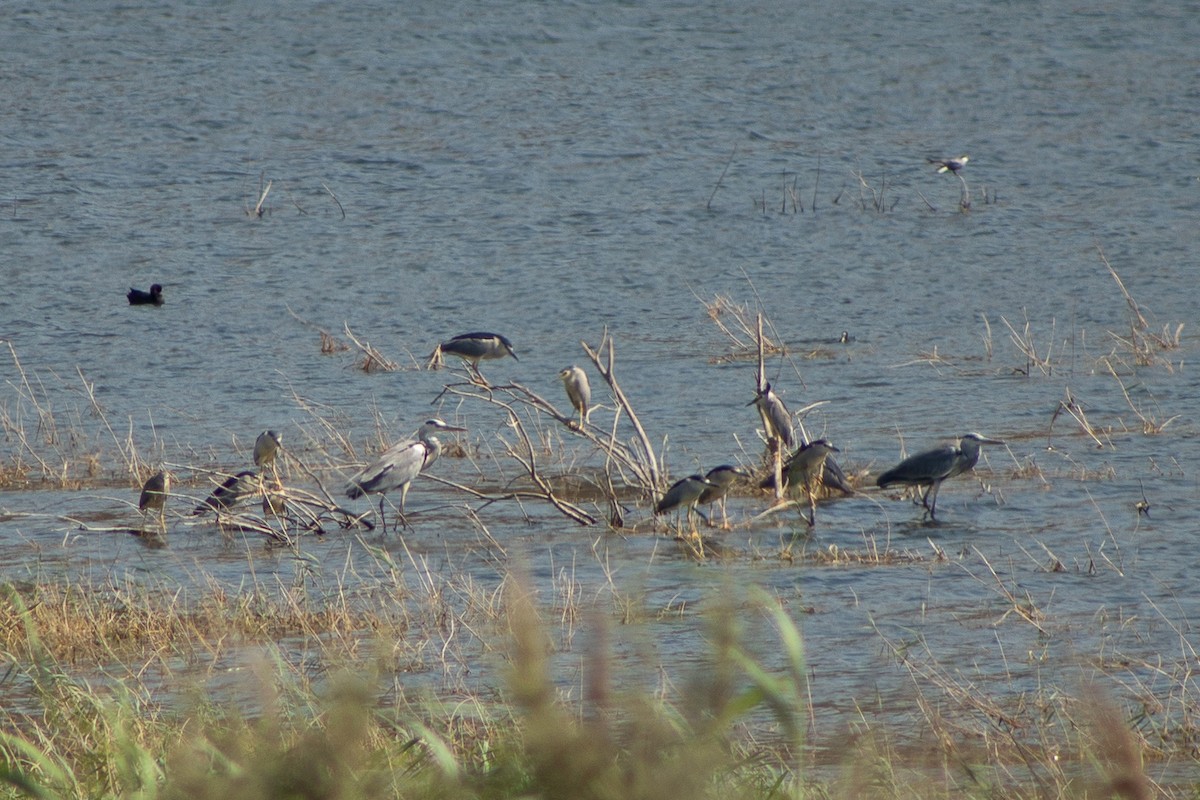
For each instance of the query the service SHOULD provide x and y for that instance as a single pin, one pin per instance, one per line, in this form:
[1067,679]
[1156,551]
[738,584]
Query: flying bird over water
[930,468]
[400,464]
[950,164]
[137,297]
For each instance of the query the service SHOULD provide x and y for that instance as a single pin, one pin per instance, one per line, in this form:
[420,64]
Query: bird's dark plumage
[929,468]
[154,297]
[227,495]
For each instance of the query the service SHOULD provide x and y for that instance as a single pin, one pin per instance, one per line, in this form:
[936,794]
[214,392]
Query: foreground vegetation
[90,712]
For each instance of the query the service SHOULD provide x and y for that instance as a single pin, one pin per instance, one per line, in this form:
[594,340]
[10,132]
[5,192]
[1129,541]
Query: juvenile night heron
[683,495]
[154,497]
[804,468]
[833,477]
[722,479]
[266,447]
[274,501]
[776,419]
[950,164]
[930,468]
[137,297]
[231,491]
[400,464]
[579,391]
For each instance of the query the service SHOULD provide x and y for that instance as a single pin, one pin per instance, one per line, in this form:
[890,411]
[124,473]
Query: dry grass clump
[86,624]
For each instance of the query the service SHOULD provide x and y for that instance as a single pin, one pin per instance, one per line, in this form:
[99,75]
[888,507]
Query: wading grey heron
[950,164]
[776,419]
[930,468]
[266,447]
[400,464]
[722,479]
[154,497]
[229,493]
[804,468]
[137,297]
[579,391]
[683,495]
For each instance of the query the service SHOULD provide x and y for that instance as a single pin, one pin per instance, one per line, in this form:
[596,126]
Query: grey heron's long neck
[433,448]
[970,450]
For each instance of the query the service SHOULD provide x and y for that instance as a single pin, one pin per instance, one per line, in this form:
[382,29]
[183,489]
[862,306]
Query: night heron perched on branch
[229,493]
[776,419]
[473,348]
[683,495]
[930,468]
[950,164]
[266,447]
[154,497]
[579,391]
[804,468]
[722,479]
[400,464]
[137,297]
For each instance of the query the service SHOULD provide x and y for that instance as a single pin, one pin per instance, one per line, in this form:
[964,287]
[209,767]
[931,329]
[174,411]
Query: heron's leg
[933,500]
[724,515]
[704,517]
[382,522]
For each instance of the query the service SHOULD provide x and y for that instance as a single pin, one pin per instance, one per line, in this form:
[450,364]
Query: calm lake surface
[553,170]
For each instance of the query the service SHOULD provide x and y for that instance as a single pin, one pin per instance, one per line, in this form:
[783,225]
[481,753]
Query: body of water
[555,170]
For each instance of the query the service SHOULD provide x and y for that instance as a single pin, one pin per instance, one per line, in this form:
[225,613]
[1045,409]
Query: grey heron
[776,419]
[154,497]
[579,391]
[683,495]
[266,447]
[400,464]
[930,468]
[950,164]
[229,493]
[137,297]
[721,479]
[804,468]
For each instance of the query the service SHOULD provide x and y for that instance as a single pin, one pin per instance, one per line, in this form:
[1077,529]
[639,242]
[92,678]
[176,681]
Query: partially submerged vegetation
[108,681]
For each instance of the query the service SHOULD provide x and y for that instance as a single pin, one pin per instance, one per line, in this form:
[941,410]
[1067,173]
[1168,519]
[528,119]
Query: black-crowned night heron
[804,468]
[722,479]
[229,493]
[400,464]
[137,297]
[683,495]
[950,164]
[266,447]
[930,468]
[776,419]
[274,501]
[579,391]
[473,348]
[154,497]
